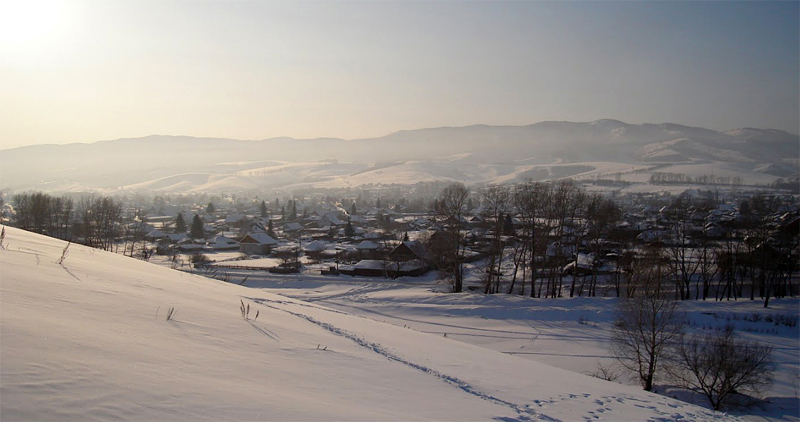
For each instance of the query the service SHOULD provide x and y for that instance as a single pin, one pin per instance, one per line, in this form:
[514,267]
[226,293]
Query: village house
[257,243]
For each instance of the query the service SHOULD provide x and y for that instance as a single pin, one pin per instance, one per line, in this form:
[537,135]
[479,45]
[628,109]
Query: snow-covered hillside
[88,339]
[471,154]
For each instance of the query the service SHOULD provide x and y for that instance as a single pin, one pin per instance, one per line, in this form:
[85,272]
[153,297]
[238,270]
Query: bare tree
[679,248]
[43,213]
[450,210]
[496,198]
[577,207]
[646,324]
[706,264]
[728,262]
[558,211]
[531,200]
[100,221]
[718,366]
[601,214]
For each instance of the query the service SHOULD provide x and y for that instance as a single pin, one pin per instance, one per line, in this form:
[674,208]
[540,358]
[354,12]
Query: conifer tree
[180,224]
[210,208]
[348,229]
[264,210]
[197,231]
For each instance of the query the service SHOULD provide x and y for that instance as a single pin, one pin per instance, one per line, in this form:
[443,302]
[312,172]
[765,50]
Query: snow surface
[88,340]
[572,334]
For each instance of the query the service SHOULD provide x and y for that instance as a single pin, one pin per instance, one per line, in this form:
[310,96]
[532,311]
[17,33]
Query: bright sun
[26,24]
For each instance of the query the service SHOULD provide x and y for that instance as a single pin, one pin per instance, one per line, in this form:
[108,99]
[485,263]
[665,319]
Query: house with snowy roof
[408,250]
[292,227]
[223,243]
[368,249]
[330,219]
[155,236]
[257,243]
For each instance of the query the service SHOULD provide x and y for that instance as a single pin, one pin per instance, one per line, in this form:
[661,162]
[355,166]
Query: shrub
[719,366]
[646,325]
[606,373]
[245,310]
[198,258]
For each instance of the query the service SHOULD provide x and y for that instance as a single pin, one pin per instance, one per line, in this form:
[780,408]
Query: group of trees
[648,334]
[791,184]
[556,216]
[657,178]
[450,208]
[197,230]
[648,339]
[94,220]
[751,256]
[555,223]
[42,213]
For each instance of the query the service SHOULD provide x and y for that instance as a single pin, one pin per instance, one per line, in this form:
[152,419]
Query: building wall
[254,249]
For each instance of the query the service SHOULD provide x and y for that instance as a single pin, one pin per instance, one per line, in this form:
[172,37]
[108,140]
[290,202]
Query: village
[498,240]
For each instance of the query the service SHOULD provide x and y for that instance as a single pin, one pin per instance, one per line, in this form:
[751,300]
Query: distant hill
[218,164]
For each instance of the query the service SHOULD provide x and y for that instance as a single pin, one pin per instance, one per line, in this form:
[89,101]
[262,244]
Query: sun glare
[30,24]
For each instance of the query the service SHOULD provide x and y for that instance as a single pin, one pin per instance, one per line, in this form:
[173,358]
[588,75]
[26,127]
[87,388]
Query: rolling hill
[472,154]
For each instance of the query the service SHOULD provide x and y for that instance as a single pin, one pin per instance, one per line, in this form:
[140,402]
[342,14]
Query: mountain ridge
[402,131]
[116,164]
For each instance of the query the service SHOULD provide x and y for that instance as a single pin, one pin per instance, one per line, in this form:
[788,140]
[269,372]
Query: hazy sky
[73,71]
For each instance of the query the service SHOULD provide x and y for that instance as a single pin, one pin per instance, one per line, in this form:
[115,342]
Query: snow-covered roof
[332,218]
[177,237]
[415,247]
[156,234]
[315,246]
[367,245]
[358,219]
[290,227]
[369,264]
[234,218]
[222,240]
[260,238]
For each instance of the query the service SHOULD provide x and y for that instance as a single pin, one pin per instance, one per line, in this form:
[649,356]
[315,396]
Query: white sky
[76,71]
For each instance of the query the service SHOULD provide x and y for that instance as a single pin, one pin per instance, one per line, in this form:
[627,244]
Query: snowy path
[542,404]
[525,412]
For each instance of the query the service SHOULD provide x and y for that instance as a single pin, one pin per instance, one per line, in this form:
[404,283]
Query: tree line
[560,223]
[661,178]
[553,219]
[94,220]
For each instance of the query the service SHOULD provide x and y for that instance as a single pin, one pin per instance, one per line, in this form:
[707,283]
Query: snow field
[89,340]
